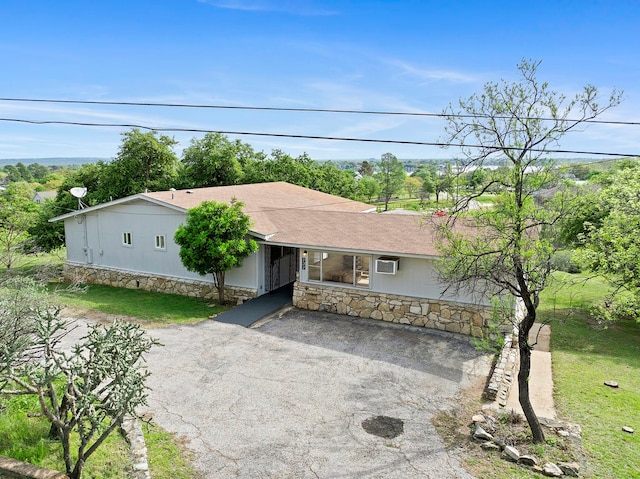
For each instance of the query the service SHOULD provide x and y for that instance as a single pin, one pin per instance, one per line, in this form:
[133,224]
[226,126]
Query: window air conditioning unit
[387,265]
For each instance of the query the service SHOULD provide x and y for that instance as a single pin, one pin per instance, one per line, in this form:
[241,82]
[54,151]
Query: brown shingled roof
[293,215]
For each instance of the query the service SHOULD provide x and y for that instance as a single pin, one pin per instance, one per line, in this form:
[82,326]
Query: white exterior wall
[97,238]
[416,277]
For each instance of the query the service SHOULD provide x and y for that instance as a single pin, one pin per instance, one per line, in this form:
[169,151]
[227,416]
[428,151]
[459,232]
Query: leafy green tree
[365,168]
[145,162]
[17,215]
[85,392]
[44,235]
[214,240]
[369,187]
[391,177]
[328,178]
[611,245]
[510,251]
[214,160]
[427,188]
[38,172]
[412,184]
[444,182]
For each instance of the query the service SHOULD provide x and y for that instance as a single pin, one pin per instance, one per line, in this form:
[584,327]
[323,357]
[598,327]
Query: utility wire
[311,137]
[307,110]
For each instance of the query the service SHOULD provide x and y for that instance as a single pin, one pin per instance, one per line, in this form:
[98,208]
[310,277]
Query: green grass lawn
[585,354]
[149,308]
[23,436]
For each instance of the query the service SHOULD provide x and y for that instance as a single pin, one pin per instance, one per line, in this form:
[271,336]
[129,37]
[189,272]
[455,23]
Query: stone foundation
[468,319]
[162,284]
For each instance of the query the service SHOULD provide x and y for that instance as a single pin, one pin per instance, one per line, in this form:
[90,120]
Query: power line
[311,137]
[303,110]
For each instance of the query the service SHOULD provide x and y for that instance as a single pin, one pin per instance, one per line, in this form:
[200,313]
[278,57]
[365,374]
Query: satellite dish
[78,192]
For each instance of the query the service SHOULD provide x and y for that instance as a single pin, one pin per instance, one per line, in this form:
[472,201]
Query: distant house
[42,196]
[338,254]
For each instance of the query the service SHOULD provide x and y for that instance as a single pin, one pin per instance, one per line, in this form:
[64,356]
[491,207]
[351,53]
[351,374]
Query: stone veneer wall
[461,318]
[88,274]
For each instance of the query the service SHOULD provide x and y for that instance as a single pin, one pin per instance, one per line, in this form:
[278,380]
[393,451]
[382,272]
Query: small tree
[514,241]
[84,392]
[214,240]
[391,177]
[17,215]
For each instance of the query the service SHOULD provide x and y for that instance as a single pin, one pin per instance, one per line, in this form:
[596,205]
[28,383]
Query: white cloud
[432,74]
[294,7]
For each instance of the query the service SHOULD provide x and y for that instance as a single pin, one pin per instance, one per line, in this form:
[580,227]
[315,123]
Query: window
[335,267]
[126,239]
[160,244]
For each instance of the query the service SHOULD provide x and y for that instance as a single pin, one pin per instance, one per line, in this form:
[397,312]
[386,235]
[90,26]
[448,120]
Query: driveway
[288,399]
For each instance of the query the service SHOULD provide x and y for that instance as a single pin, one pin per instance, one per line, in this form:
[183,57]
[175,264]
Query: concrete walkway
[249,312]
[540,378]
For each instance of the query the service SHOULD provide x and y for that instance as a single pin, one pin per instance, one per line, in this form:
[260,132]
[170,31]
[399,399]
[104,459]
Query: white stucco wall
[97,238]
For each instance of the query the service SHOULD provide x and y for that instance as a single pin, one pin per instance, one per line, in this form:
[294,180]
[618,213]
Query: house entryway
[280,267]
[249,312]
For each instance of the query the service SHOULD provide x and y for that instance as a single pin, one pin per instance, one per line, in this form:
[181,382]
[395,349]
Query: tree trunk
[220,283]
[523,385]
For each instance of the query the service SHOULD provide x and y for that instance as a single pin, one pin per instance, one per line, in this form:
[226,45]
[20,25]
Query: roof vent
[387,265]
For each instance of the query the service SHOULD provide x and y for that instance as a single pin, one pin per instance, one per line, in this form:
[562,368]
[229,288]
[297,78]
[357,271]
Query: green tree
[369,187]
[214,240]
[510,251]
[365,168]
[412,184]
[85,392]
[17,215]
[444,182]
[427,188]
[214,160]
[610,243]
[391,177]
[145,162]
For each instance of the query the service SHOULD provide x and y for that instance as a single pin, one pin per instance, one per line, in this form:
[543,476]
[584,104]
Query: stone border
[502,376]
[132,431]
[88,274]
[461,318]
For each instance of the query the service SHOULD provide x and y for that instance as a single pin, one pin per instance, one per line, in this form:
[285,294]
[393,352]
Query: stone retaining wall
[87,274]
[461,318]
[504,372]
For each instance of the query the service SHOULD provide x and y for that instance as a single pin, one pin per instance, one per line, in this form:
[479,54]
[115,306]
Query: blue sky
[415,56]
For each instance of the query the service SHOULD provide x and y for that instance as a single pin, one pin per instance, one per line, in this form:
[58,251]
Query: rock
[528,461]
[512,453]
[627,429]
[482,435]
[478,418]
[611,384]
[490,446]
[563,433]
[551,470]
[571,469]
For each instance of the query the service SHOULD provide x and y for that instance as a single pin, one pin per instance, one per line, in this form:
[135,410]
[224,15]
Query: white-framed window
[337,267]
[160,242]
[127,239]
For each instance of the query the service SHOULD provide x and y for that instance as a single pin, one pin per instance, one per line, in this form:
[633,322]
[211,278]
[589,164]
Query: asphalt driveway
[288,398]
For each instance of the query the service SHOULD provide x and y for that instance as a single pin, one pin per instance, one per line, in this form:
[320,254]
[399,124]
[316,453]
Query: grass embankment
[585,353]
[148,308]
